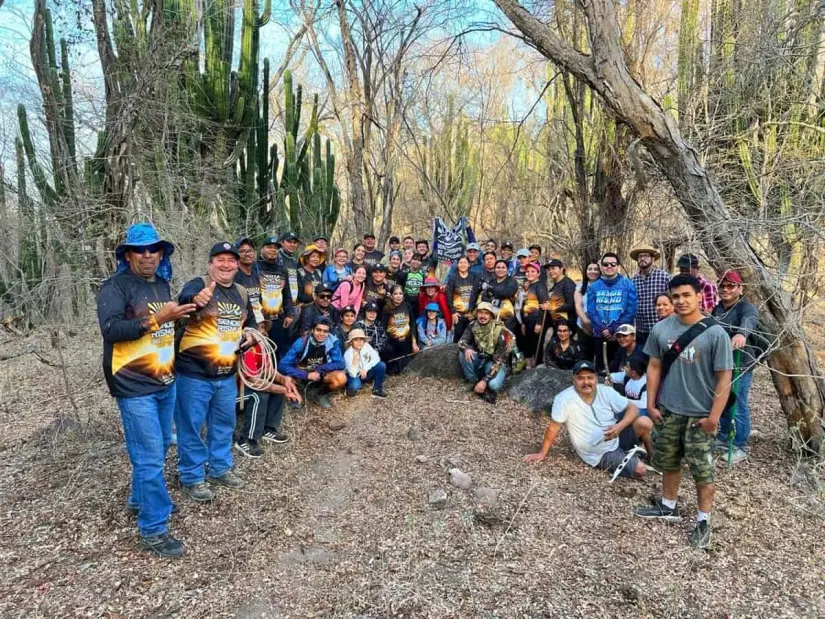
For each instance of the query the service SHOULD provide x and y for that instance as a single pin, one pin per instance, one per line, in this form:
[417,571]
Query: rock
[630,593]
[414,434]
[460,479]
[454,461]
[486,515]
[438,498]
[422,458]
[536,388]
[336,424]
[437,362]
[627,491]
[757,435]
[485,496]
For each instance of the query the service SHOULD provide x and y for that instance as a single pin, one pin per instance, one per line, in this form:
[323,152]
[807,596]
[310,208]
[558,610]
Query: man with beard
[320,307]
[372,256]
[276,299]
[650,282]
[484,350]
[604,427]
[137,320]
[206,364]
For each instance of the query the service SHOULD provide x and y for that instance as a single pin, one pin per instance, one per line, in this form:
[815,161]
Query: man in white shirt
[603,425]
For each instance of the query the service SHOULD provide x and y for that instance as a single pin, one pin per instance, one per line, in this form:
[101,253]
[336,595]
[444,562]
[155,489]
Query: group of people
[339,321]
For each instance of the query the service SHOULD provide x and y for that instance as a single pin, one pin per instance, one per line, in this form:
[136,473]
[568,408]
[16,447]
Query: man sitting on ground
[315,358]
[604,427]
[485,349]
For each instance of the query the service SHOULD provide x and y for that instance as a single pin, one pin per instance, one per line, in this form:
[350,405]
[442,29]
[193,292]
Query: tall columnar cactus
[29,255]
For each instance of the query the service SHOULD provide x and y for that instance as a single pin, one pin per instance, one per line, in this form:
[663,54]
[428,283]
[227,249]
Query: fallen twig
[510,524]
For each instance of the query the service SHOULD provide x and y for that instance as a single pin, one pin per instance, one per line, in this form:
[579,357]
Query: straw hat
[644,249]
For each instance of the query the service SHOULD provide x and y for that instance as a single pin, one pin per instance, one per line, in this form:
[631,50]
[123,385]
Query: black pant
[587,343]
[641,339]
[262,411]
[612,347]
[281,335]
[529,340]
[394,349]
[460,327]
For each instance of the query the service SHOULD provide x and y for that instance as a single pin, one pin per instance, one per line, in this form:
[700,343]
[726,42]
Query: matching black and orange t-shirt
[461,293]
[252,283]
[398,322]
[274,292]
[536,294]
[138,355]
[212,335]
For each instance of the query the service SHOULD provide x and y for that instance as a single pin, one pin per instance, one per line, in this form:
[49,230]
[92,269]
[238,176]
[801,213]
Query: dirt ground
[338,524]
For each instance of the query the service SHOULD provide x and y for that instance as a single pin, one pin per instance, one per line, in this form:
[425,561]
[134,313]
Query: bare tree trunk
[796,377]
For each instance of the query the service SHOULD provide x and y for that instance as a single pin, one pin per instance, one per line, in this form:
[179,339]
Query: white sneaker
[736,456]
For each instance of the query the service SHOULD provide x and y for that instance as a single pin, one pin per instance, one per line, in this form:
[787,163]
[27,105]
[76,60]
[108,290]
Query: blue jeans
[742,423]
[377,373]
[477,369]
[147,426]
[212,402]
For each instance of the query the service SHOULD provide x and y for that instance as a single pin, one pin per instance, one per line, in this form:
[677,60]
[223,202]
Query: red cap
[731,276]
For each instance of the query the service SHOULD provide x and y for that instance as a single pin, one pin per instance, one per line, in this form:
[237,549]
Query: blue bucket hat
[142,235]
[432,307]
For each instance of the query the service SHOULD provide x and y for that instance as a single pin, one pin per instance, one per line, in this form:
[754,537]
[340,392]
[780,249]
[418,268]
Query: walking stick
[541,338]
[606,363]
[737,358]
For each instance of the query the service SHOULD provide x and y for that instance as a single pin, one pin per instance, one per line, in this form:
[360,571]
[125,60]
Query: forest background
[696,125]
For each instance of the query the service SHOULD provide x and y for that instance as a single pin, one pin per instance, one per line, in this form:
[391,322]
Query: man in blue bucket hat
[137,320]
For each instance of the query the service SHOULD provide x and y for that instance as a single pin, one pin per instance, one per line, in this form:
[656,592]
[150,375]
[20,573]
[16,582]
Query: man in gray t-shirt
[691,382]
[687,408]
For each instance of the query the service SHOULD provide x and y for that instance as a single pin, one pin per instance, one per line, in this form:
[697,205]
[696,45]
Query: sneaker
[700,536]
[323,401]
[351,394]
[294,404]
[249,449]
[490,396]
[274,436]
[134,509]
[737,456]
[163,545]
[199,492]
[720,445]
[379,393]
[228,479]
[660,511]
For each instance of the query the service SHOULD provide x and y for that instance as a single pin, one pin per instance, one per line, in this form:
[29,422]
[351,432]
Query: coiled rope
[262,377]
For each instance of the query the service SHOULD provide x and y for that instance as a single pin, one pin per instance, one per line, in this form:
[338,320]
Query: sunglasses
[728,286]
[324,296]
[609,265]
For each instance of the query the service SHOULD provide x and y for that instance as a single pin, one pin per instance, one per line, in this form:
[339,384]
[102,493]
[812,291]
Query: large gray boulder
[536,388]
[437,362]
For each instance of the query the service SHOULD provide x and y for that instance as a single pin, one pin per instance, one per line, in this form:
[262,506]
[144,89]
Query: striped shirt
[648,287]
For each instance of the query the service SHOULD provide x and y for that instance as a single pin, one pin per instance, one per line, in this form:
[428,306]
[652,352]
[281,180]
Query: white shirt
[633,388]
[368,359]
[586,423]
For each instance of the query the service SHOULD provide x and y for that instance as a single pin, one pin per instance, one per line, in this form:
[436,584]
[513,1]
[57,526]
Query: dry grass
[338,524]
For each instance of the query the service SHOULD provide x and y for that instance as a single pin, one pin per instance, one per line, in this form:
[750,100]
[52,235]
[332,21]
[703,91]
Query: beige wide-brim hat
[355,334]
[644,249]
[487,307]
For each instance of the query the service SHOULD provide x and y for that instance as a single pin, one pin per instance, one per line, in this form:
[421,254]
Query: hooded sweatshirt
[611,303]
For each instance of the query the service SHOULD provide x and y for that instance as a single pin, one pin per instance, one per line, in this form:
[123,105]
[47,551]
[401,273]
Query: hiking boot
[659,511]
[736,456]
[323,401]
[134,509]
[228,479]
[379,393]
[490,396]
[274,436]
[199,492]
[700,536]
[250,449]
[163,545]
[351,394]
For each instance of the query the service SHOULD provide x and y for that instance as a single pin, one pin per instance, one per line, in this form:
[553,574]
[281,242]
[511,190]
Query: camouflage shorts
[676,439]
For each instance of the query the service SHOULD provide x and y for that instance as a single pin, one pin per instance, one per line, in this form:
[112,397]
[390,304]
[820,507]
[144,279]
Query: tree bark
[798,381]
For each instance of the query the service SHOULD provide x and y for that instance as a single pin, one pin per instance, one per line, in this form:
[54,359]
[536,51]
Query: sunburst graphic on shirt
[153,354]
[229,310]
[531,303]
[214,339]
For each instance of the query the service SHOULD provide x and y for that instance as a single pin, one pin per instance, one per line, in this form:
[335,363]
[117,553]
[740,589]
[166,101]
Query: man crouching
[316,358]
[485,349]
[604,426]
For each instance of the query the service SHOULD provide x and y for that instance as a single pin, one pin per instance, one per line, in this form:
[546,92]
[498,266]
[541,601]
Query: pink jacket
[348,293]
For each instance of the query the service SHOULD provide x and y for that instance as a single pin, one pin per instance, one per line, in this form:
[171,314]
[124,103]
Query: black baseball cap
[507,244]
[272,240]
[244,239]
[370,306]
[369,235]
[379,267]
[349,309]
[394,239]
[289,236]
[582,366]
[321,237]
[322,288]
[688,261]
[223,247]
[555,262]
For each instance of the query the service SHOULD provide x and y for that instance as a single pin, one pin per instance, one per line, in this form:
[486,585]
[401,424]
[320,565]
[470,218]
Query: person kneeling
[484,350]
[316,358]
[604,426]
[363,364]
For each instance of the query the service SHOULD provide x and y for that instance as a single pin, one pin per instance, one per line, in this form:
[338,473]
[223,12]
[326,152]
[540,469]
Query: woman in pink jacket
[351,292]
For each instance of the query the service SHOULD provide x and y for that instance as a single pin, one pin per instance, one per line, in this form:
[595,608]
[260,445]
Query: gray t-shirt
[691,382]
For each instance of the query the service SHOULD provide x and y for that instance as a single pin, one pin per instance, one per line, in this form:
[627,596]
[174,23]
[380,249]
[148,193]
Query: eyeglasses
[728,286]
[324,296]
[610,265]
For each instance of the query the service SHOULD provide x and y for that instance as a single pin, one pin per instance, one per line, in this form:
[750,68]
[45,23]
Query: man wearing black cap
[394,244]
[321,306]
[376,288]
[288,257]
[249,277]
[276,300]
[507,256]
[206,364]
[604,427]
[372,256]
[689,265]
